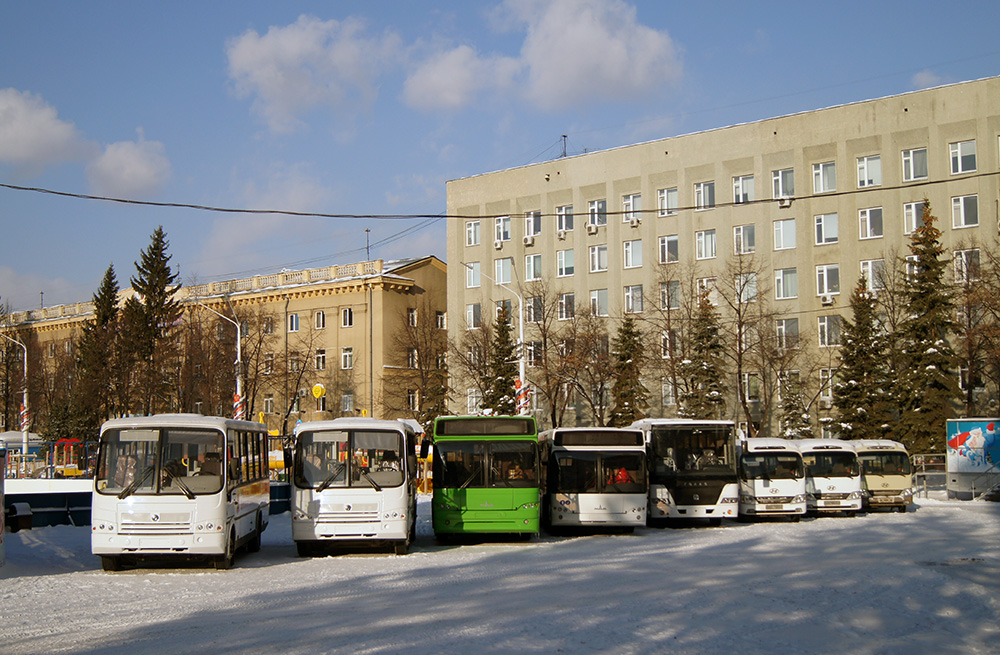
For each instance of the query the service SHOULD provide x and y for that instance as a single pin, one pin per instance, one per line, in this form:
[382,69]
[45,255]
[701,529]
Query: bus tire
[225,561]
[111,563]
[715,522]
[401,547]
[253,546]
[304,549]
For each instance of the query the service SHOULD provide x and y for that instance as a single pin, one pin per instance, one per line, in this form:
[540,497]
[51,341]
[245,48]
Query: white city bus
[175,485]
[692,469]
[886,474]
[772,479]
[833,476]
[595,477]
[353,483]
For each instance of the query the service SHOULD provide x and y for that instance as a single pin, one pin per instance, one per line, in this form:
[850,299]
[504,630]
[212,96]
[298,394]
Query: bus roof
[484,427]
[811,445]
[180,421]
[596,437]
[646,423]
[861,445]
[765,444]
[354,423]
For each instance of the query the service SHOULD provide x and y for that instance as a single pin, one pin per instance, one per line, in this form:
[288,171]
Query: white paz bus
[772,479]
[354,483]
[179,485]
[595,477]
[833,476]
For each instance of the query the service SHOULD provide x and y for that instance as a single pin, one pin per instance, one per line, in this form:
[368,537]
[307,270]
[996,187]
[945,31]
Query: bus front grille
[154,523]
[348,513]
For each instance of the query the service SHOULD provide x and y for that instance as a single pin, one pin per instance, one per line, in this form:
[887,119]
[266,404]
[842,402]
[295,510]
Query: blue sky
[368,108]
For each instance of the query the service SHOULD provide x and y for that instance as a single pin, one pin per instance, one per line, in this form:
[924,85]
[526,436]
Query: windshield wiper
[475,472]
[183,487]
[333,476]
[135,484]
[364,474]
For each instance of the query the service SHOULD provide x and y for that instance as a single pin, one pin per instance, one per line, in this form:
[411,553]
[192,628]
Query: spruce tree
[703,373]
[627,392]
[796,422]
[499,396]
[860,393]
[925,385]
[95,354]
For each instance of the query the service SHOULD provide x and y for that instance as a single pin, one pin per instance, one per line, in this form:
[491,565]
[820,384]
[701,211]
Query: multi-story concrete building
[790,210]
[326,342]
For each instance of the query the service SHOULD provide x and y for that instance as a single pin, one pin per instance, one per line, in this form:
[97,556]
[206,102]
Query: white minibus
[354,483]
[179,485]
[772,479]
[887,476]
[833,476]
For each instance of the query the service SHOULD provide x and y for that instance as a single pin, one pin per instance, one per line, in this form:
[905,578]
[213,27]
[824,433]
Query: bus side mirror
[288,457]
[425,447]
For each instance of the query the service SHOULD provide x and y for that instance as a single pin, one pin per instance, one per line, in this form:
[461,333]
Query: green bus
[487,475]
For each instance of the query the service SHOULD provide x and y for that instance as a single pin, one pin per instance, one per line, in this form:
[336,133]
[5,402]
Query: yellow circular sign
[319,390]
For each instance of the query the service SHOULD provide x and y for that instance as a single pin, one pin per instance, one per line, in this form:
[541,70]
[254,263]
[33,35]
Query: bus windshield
[348,458]
[771,466]
[167,461]
[831,464]
[687,449]
[600,473]
[486,464]
[885,463]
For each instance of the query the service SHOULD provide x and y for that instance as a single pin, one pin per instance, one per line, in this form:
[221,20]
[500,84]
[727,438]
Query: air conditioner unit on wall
[826,300]
[634,222]
[529,240]
[498,244]
[825,403]
[591,228]
[561,235]
[785,202]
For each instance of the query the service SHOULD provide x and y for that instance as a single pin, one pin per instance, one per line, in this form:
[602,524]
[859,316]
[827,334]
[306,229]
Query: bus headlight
[906,493]
[800,498]
[855,495]
[529,506]
[747,500]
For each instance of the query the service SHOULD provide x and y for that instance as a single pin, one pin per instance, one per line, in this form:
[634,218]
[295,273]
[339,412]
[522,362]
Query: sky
[367,109]
[922,583]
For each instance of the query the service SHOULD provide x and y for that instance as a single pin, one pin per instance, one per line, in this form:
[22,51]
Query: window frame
[823,224]
[473,232]
[705,240]
[783,183]
[743,189]
[701,190]
[823,281]
[910,164]
[632,253]
[782,223]
[565,264]
[958,159]
[740,239]
[959,211]
[595,252]
[866,226]
[866,176]
[821,177]
[667,203]
[782,276]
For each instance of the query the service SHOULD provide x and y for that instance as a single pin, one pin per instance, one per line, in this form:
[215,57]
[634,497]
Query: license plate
[832,503]
[774,506]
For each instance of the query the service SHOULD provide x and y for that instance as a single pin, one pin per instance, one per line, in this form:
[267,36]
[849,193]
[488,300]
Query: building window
[669,249]
[269,404]
[472,233]
[268,363]
[411,358]
[474,401]
[633,253]
[501,226]
[783,183]
[320,360]
[533,353]
[564,218]
[473,315]
[912,266]
[746,286]
[743,239]
[503,307]
[963,157]
[705,244]
[829,330]
[670,341]
[787,331]
[869,171]
[915,164]
[564,263]
[912,213]
[566,306]
[347,403]
[411,316]
[874,272]
[598,212]
[751,387]
[441,320]
[502,268]
[319,319]
[743,189]
[631,208]
[633,299]
[293,322]
[533,267]
[347,358]
[871,223]
[825,177]
[786,283]
[668,392]
[598,258]
[670,294]
[826,229]
[966,265]
[599,302]
[965,211]
[534,309]
[412,400]
[826,386]
[666,201]
[784,234]
[706,288]
[472,279]
[827,279]
[704,195]
[532,223]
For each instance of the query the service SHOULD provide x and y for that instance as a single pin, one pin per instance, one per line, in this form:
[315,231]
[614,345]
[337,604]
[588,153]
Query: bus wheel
[304,549]
[225,561]
[715,522]
[253,546]
[111,563]
[401,547]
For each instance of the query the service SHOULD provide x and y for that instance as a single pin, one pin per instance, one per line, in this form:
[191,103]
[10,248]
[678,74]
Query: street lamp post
[24,409]
[520,330]
[238,413]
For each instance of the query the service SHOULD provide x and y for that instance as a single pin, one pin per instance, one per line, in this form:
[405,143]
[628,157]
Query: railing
[985,482]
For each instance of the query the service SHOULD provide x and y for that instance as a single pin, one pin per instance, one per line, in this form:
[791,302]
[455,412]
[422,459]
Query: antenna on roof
[564,145]
[368,249]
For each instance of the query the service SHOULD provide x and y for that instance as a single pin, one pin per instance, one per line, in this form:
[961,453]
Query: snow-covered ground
[923,582]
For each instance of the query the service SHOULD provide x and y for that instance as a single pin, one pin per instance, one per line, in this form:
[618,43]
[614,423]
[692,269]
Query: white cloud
[21,290]
[130,169]
[574,51]
[310,63]
[925,79]
[31,134]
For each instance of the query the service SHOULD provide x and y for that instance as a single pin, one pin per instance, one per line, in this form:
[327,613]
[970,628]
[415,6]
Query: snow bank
[923,582]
